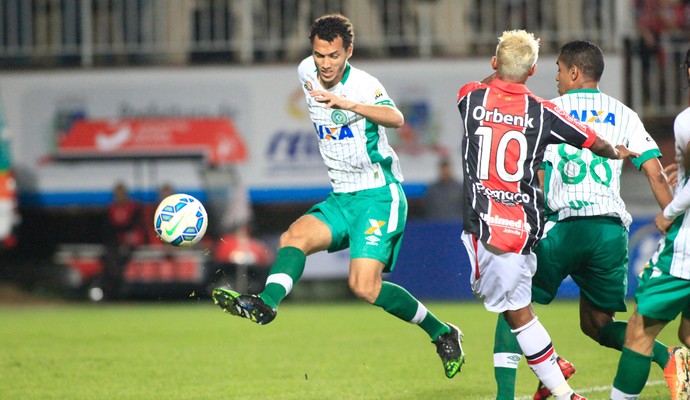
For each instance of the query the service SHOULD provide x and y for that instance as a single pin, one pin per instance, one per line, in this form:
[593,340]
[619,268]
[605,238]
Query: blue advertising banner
[433,264]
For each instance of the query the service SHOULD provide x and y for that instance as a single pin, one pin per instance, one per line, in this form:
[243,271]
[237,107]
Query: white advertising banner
[266,105]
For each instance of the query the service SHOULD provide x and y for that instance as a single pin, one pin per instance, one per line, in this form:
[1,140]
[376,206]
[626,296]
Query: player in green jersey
[367,210]
[664,290]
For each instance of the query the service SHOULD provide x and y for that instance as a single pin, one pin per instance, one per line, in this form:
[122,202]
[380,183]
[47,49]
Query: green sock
[284,273]
[507,355]
[612,335]
[399,302]
[633,371]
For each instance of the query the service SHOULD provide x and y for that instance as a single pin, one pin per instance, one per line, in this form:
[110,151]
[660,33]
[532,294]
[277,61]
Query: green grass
[311,351]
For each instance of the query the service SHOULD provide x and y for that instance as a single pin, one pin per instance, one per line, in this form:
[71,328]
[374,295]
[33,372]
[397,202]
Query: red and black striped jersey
[506,129]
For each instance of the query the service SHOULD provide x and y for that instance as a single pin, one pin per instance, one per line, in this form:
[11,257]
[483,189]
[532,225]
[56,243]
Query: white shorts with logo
[503,280]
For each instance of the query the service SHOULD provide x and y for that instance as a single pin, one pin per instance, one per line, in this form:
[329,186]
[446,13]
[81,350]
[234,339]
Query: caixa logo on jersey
[594,116]
[333,132]
[291,150]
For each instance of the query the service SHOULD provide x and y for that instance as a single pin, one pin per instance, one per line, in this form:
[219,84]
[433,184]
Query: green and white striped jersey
[675,253]
[355,150]
[579,183]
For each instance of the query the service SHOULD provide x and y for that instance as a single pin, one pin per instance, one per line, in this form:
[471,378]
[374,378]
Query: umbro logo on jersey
[372,240]
[594,116]
[482,114]
[334,133]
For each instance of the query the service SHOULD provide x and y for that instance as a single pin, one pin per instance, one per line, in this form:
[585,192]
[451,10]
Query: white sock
[507,360]
[618,395]
[541,357]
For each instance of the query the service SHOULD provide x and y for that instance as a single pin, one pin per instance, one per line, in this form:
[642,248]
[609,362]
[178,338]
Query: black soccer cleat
[248,306]
[449,348]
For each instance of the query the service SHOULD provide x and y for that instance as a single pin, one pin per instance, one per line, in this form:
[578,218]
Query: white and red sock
[541,357]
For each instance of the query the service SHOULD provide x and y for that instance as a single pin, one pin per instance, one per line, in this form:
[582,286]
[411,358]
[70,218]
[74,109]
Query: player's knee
[366,291]
[285,239]
[294,238]
[591,331]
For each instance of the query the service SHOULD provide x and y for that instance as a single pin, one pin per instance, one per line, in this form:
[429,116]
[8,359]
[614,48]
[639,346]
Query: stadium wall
[264,102]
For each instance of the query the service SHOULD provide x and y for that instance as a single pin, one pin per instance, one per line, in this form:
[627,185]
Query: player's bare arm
[385,115]
[658,182]
[603,148]
[671,172]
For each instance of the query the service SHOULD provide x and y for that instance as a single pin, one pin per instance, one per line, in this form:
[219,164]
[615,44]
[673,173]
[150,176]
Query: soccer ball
[180,220]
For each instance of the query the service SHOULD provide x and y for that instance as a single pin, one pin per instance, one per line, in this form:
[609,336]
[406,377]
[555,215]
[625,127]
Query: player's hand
[671,172]
[624,152]
[330,100]
[662,224]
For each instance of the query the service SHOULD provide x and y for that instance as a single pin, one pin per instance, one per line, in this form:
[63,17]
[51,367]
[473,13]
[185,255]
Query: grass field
[311,351]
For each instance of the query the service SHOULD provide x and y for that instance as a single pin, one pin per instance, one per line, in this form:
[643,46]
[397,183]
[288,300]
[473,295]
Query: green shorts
[370,222]
[662,296]
[594,252]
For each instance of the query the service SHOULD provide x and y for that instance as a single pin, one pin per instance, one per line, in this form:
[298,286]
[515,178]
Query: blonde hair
[516,53]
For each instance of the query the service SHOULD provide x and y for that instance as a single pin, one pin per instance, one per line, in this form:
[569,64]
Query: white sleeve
[681,200]
[680,203]
[305,67]
[640,139]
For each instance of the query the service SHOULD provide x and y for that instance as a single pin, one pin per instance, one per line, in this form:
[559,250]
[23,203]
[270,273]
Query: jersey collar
[346,74]
[584,90]
[518,88]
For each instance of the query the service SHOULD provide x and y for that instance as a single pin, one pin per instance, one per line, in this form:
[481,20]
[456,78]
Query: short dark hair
[330,26]
[585,55]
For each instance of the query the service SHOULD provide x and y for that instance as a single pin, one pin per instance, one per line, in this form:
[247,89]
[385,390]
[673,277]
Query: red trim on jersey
[468,88]
[476,256]
[568,119]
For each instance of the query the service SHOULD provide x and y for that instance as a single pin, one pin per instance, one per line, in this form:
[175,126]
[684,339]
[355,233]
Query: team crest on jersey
[594,116]
[334,133]
[308,85]
[338,117]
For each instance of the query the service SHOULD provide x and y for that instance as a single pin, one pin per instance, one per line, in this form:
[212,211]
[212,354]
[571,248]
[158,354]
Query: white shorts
[503,280]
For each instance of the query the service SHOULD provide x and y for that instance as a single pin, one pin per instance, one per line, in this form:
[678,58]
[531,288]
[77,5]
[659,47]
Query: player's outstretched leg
[248,306]
[568,370]
[397,301]
[449,348]
[676,373]
[262,308]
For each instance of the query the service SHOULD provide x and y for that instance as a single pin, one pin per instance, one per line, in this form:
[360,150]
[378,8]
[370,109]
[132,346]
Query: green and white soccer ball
[180,220]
